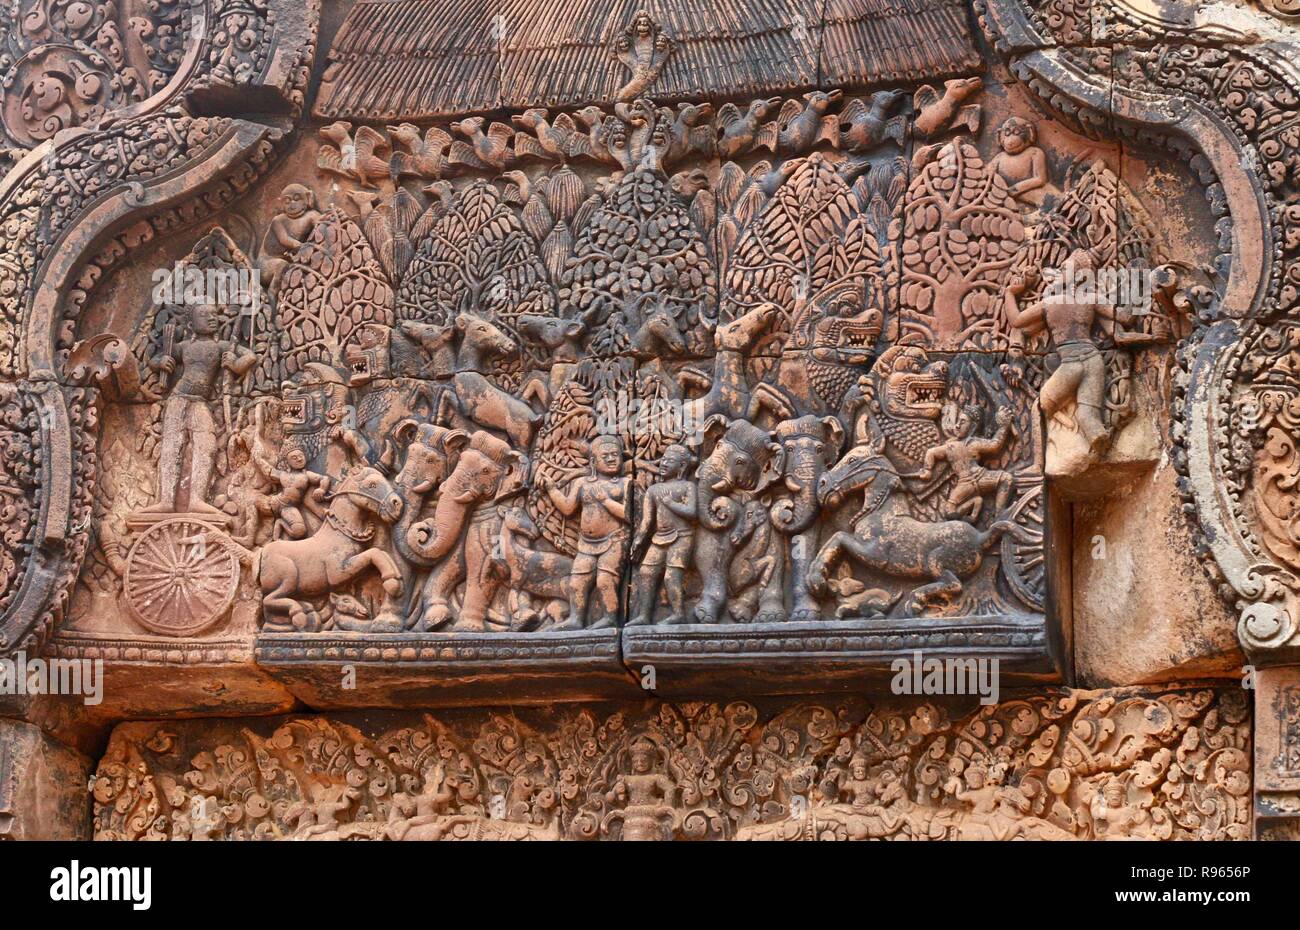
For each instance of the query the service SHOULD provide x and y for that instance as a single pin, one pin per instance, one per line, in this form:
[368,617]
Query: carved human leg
[203,450]
[170,452]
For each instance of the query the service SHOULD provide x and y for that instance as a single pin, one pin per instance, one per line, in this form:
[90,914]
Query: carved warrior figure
[665,539]
[187,423]
[1081,377]
[963,451]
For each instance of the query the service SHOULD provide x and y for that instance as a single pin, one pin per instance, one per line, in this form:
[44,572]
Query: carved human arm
[238,359]
[1030,319]
[166,358]
[933,456]
[998,441]
[617,506]
[566,502]
[683,508]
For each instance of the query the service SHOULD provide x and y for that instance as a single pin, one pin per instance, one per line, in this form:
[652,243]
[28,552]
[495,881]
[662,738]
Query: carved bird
[771,180]
[686,136]
[489,149]
[805,125]
[559,140]
[362,157]
[741,132]
[863,127]
[386,223]
[442,191]
[365,201]
[425,157]
[443,197]
[517,187]
[938,113]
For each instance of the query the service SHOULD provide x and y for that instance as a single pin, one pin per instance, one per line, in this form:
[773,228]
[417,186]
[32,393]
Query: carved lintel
[1139,764]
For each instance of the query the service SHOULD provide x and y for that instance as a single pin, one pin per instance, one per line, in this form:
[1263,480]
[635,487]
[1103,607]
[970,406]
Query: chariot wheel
[181,576]
[1024,562]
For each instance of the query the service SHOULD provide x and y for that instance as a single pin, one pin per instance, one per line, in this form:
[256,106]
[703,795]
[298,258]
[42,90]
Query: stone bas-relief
[783,368]
[446,373]
[1123,765]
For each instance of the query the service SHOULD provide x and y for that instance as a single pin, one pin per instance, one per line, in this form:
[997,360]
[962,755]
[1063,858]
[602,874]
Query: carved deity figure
[963,451]
[646,796]
[666,535]
[1069,312]
[422,816]
[187,417]
[1021,163]
[600,501]
[859,790]
[289,229]
[1113,818]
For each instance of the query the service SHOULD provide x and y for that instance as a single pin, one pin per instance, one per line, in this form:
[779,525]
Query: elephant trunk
[716,509]
[403,527]
[431,540]
[796,514]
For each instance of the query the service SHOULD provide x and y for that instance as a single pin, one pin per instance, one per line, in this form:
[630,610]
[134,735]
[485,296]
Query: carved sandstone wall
[632,365]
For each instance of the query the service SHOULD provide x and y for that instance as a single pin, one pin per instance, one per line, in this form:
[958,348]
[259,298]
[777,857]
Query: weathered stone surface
[1277,753]
[1138,765]
[42,786]
[505,355]
[1142,609]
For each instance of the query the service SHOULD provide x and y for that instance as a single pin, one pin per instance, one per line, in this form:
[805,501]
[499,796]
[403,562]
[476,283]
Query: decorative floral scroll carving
[1086,765]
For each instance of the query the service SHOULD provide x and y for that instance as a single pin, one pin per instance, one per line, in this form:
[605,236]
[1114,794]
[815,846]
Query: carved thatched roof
[414,59]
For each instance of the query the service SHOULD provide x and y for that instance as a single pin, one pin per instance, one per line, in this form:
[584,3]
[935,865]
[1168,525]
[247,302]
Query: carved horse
[292,571]
[886,538]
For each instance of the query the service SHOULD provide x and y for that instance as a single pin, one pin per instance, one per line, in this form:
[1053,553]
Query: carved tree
[640,251]
[477,257]
[961,230]
[812,236]
[333,286]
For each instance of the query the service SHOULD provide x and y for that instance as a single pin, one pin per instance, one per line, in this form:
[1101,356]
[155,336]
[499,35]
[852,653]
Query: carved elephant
[738,461]
[456,543]
[809,446]
[432,453]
